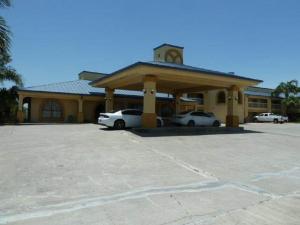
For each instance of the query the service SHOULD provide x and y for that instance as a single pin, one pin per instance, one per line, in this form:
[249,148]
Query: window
[132,112]
[240,97]
[199,114]
[52,110]
[221,97]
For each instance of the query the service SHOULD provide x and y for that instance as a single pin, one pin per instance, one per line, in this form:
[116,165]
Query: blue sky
[54,40]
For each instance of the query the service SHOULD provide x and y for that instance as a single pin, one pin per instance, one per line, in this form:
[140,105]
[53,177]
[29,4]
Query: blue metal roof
[258,91]
[82,87]
[255,93]
[166,44]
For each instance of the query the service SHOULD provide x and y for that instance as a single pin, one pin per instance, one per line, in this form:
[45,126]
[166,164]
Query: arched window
[52,110]
[240,97]
[221,97]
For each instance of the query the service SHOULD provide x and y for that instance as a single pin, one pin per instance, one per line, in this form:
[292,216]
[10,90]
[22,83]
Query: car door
[132,117]
[197,118]
[128,117]
[260,117]
[137,119]
[208,119]
[266,117]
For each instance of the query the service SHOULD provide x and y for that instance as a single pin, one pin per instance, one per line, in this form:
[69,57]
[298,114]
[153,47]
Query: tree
[8,97]
[7,73]
[289,91]
[8,104]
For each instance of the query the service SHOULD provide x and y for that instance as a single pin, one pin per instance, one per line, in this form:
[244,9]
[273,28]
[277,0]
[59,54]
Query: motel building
[163,87]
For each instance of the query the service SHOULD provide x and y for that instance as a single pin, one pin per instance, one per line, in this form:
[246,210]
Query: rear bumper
[106,122]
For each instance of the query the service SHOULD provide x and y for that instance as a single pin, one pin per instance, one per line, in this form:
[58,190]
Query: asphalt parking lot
[80,174]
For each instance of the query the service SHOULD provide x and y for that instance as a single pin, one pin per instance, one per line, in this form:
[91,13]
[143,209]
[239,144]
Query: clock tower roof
[168,53]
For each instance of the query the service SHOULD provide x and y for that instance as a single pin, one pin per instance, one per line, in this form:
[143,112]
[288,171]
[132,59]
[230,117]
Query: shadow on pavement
[184,131]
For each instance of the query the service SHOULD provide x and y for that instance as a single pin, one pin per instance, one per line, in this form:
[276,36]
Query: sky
[55,40]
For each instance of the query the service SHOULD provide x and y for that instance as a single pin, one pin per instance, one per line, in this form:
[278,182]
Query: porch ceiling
[171,80]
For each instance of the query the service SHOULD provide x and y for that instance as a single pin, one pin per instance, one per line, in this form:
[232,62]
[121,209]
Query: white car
[270,117]
[124,118]
[196,118]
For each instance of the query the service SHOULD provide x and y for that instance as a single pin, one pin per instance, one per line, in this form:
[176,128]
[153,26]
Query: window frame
[218,97]
[53,108]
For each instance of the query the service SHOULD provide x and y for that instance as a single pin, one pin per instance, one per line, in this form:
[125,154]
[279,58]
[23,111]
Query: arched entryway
[99,109]
[27,109]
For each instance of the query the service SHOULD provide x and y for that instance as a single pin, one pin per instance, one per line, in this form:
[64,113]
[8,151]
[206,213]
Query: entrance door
[99,109]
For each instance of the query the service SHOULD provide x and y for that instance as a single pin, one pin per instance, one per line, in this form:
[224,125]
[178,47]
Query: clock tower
[169,54]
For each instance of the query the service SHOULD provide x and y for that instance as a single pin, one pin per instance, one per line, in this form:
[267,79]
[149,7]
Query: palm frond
[5,35]
[5,3]
[10,74]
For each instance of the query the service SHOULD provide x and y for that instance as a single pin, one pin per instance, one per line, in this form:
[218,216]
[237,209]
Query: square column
[20,116]
[232,118]
[80,116]
[149,114]
[206,102]
[269,102]
[246,110]
[177,103]
[109,99]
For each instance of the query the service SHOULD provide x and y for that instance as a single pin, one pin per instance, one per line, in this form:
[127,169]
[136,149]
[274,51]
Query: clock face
[173,56]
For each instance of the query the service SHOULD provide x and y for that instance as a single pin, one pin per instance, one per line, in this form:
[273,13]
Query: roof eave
[257,81]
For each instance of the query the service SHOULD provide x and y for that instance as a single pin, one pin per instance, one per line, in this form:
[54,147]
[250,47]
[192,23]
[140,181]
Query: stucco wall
[220,109]
[70,108]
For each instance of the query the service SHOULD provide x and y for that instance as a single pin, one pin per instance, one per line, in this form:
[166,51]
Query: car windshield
[184,112]
[114,111]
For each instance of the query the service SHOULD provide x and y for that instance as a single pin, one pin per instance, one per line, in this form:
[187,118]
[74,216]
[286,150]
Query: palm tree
[4,30]
[10,74]
[6,73]
[289,90]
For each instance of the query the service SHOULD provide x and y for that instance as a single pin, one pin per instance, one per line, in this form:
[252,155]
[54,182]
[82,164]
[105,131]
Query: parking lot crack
[84,203]
[283,173]
[186,165]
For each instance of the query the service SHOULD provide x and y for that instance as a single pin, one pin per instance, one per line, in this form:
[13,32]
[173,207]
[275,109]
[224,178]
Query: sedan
[124,118]
[195,118]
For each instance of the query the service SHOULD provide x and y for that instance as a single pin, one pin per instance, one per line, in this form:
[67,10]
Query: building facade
[164,86]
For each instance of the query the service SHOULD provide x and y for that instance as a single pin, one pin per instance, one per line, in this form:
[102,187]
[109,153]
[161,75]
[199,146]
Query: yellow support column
[232,118]
[149,114]
[269,101]
[206,102]
[20,116]
[246,110]
[80,116]
[177,103]
[109,99]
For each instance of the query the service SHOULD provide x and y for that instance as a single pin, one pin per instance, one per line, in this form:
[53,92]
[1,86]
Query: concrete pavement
[80,174]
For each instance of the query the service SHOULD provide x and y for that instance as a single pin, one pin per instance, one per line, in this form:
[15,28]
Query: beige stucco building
[164,86]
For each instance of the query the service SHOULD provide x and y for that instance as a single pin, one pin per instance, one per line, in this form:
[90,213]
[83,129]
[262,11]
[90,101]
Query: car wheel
[158,123]
[216,123]
[255,120]
[191,123]
[275,120]
[119,124]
